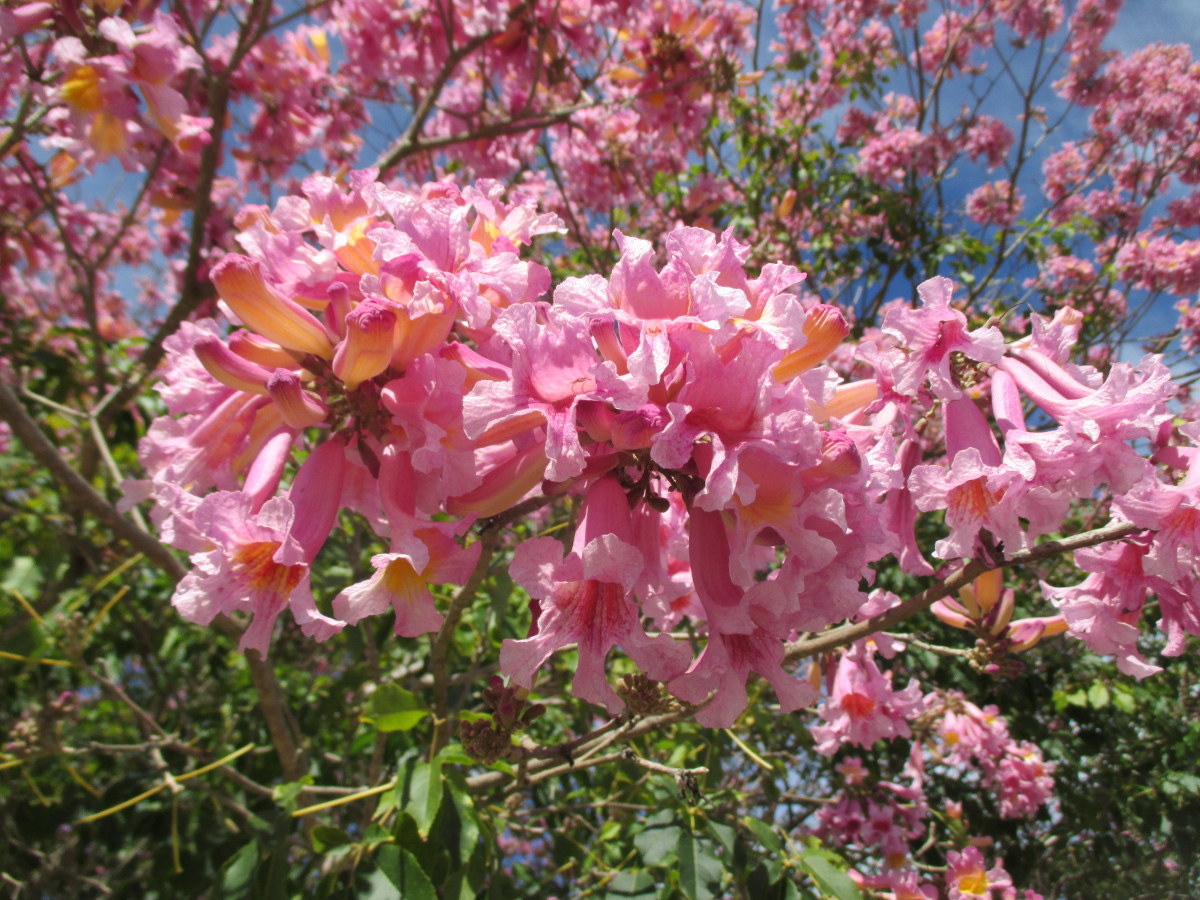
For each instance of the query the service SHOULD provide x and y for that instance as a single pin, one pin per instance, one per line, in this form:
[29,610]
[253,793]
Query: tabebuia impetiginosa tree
[597,449]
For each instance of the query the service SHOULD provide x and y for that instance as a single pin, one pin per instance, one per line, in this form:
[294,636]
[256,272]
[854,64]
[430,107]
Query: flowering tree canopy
[681,449]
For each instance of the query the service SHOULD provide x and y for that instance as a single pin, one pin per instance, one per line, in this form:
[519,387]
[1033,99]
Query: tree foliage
[535,449]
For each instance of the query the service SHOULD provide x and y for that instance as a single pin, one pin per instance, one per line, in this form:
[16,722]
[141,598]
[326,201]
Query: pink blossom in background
[969,878]
[996,203]
[862,707]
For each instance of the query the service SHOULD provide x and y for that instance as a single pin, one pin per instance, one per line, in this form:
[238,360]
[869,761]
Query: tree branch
[78,489]
[848,634]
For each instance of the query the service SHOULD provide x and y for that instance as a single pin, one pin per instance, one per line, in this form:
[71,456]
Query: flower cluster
[396,351]
[393,348]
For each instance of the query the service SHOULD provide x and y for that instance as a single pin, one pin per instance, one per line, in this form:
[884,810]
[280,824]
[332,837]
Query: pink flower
[996,203]
[863,707]
[931,334]
[1025,781]
[1172,512]
[988,137]
[1104,608]
[585,599]
[729,405]
[422,553]
[420,557]
[967,878]
[554,368]
[887,158]
[975,496]
[723,667]
[260,561]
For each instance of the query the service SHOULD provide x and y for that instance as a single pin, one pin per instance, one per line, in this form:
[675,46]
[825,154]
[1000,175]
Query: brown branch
[630,755]
[409,142]
[280,724]
[441,643]
[193,290]
[77,489]
[489,538]
[278,718]
[848,634]
[402,151]
[538,770]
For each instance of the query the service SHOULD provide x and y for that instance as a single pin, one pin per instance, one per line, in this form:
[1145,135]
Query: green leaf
[454,754]
[699,869]
[392,708]
[726,836]
[403,870]
[23,577]
[325,837]
[829,879]
[1098,695]
[1123,699]
[400,721]
[657,841]
[287,795]
[463,825]
[424,795]
[236,879]
[765,834]
[630,886]
[1077,698]
[1181,781]
[277,872]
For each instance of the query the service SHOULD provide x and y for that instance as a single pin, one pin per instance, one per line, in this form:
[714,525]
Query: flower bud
[258,349]
[786,204]
[299,408]
[340,306]
[366,350]
[1049,397]
[1025,633]
[263,477]
[1006,403]
[839,458]
[952,614]
[316,494]
[229,368]
[1052,373]
[824,329]
[966,427]
[1001,614]
[240,282]
[24,19]
[635,429]
[981,594]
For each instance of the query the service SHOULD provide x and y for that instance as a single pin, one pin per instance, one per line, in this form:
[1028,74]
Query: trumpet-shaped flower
[931,334]
[259,561]
[968,877]
[863,707]
[723,667]
[554,368]
[584,598]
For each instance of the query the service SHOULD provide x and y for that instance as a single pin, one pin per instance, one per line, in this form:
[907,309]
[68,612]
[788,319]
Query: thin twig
[630,755]
[78,489]
[848,634]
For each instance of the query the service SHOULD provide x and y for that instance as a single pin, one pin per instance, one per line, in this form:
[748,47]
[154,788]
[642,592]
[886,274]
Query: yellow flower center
[82,89]
[973,881]
[253,562]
